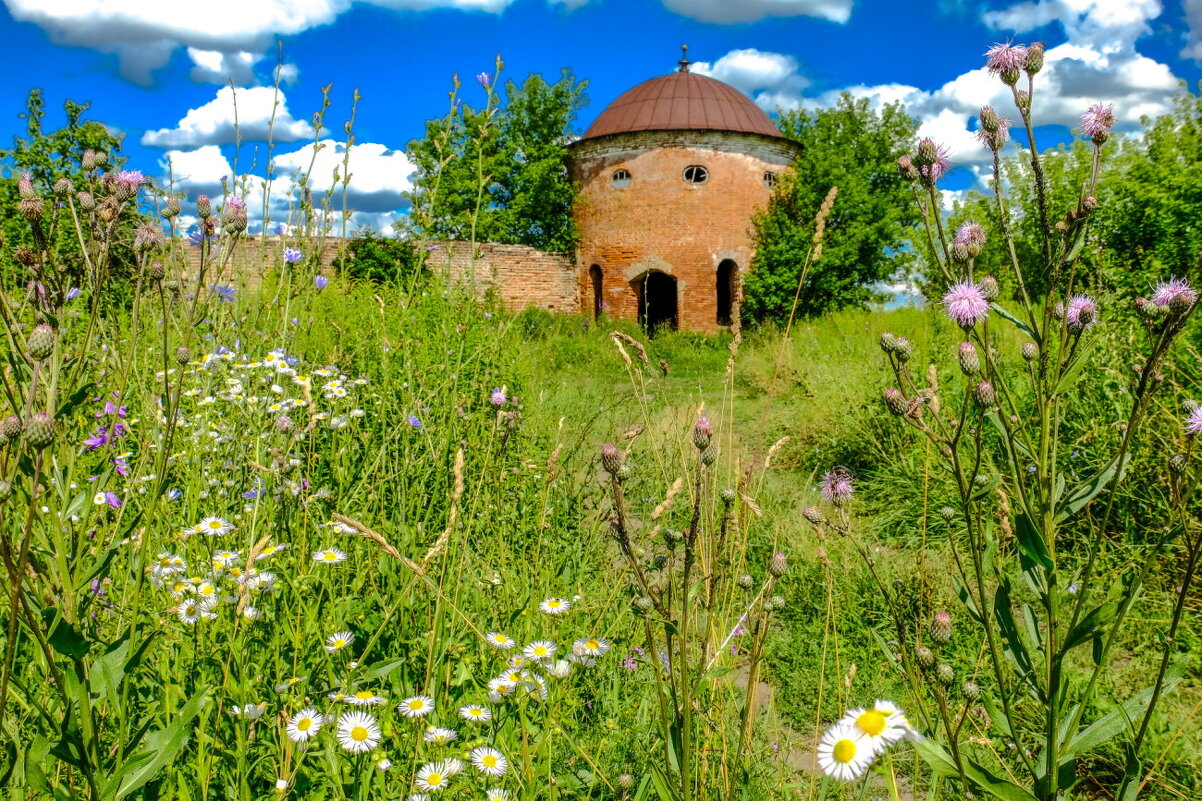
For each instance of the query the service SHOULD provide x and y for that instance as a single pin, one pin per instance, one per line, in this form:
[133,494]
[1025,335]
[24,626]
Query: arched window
[597,280]
[696,174]
[769,179]
[620,179]
[728,273]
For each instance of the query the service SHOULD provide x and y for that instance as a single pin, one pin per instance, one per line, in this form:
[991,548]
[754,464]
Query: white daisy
[498,640]
[440,735]
[879,728]
[214,526]
[305,724]
[364,698]
[338,640]
[540,650]
[496,794]
[590,646]
[499,688]
[475,713]
[224,558]
[329,555]
[417,706]
[489,761]
[432,777]
[555,606]
[189,611]
[844,753]
[358,732]
[561,669]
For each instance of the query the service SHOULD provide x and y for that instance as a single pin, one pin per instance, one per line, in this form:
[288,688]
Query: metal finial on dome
[684,58]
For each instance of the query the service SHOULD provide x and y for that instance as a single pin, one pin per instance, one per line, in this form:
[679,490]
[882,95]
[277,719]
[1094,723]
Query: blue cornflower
[292,254]
[225,292]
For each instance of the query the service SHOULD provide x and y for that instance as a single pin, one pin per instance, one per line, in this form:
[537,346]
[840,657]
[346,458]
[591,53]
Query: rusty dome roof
[682,101]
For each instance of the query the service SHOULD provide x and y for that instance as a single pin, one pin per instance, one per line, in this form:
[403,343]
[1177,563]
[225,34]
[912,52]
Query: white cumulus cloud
[771,79]
[196,171]
[214,122]
[724,12]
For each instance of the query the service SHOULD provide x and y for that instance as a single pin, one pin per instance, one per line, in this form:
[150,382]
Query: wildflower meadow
[280,532]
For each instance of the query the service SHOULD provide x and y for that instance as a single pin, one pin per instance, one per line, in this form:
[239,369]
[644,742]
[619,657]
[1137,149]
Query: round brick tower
[669,176]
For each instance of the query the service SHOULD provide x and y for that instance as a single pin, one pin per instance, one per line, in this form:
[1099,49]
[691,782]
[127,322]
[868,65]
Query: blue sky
[158,70]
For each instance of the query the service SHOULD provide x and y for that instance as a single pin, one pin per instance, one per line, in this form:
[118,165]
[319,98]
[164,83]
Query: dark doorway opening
[728,273]
[597,280]
[657,301]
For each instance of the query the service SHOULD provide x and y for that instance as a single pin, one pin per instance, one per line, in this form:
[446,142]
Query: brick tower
[669,175]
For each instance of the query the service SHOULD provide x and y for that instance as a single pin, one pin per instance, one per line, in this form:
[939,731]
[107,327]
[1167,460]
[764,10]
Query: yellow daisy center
[365,694]
[502,638]
[844,751]
[540,651]
[329,557]
[359,734]
[553,604]
[434,779]
[592,645]
[871,722]
[417,705]
[304,724]
[489,761]
[474,712]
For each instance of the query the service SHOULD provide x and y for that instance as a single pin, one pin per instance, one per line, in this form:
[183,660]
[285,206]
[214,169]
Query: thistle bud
[40,344]
[85,201]
[947,513]
[88,162]
[233,215]
[157,271]
[625,471]
[702,433]
[171,208]
[63,186]
[1034,62]
[896,401]
[642,604]
[611,458]
[182,355]
[1030,351]
[39,432]
[775,602]
[625,781]
[945,674]
[989,288]
[812,514]
[25,256]
[1089,203]
[903,350]
[990,120]
[147,236]
[970,690]
[1181,304]
[907,170]
[709,456]
[11,427]
[984,394]
[728,496]
[108,209]
[925,657]
[1009,76]
[970,360]
[926,154]
[778,564]
[941,627]
[31,208]
[1023,101]
[1178,463]
[672,537]
[25,188]
[746,581]
[888,342]
[204,208]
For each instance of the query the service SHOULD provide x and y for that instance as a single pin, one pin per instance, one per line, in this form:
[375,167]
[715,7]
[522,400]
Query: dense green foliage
[853,147]
[372,256]
[497,173]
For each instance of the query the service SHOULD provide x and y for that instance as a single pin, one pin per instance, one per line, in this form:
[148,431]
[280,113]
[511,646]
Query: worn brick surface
[520,276]
[660,222]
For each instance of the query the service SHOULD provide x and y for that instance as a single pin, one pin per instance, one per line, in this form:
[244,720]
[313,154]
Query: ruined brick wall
[253,256]
[520,276]
[662,223]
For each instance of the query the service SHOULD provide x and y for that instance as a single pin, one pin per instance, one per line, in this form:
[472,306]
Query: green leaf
[941,763]
[1073,369]
[1132,775]
[1013,644]
[159,748]
[108,670]
[78,398]
[1019,324]
[63,637]
[969,603]
[1119,719]
[663,788]
[1030,541]
[1088,489]
[380,669]
[1089,626]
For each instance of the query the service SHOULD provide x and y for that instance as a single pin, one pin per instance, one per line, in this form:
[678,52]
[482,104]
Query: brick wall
[253,256]
[520,276]
[662,223]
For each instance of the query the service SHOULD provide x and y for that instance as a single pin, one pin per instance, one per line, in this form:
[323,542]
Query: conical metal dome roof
[682,101]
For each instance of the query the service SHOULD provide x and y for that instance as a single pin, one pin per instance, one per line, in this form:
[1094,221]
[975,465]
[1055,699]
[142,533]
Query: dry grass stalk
[456,494]
[618,337]
[668,498]
[378,539]
[820,221]
[553,463]
[251,558]
[776,446]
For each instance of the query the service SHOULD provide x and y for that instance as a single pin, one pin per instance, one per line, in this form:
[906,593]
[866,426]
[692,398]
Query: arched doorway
[728,273]
[657,301]
[596,278]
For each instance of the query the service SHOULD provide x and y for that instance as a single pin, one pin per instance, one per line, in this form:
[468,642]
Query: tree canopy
[497,173]
[854,147]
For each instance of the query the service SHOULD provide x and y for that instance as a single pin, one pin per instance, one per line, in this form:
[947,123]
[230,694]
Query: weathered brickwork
[662,223]
[519,276]
[254,255]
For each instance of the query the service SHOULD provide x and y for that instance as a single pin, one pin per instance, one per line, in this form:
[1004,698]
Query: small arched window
[620,179]
[769,179]
[696,174]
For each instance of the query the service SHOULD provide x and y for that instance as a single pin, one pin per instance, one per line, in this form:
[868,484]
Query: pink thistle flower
[132,179]
[25,186]
[966,304]
[235,203]
[1080,313]
[1175,292]
[971,234]
[497,397]
[1097,122]
[1002,57]
[837,486]
[994,130]
[1193,423]
[931,160]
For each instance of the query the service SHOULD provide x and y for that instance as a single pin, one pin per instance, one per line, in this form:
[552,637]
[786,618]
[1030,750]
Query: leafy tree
[48,157]
[498,173]
[373,257]
[853,147]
